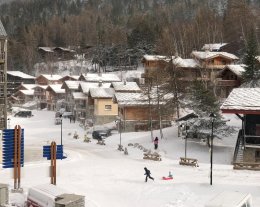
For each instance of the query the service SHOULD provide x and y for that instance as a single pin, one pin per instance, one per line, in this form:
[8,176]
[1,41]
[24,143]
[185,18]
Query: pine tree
[251,73]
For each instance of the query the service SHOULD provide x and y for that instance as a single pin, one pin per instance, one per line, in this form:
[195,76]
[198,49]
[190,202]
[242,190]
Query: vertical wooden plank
[15,155]
[19,155]
[54,162]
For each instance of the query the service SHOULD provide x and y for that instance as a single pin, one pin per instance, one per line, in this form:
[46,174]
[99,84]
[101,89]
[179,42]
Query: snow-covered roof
[72,85]
[213,46]
[204,55]
[41,86]
[126,86]
[102,92]
[51,77]
[104,77]
[46,49]
[185,63]
[64,49]
[230,199]
[56,88]
[156,57]
[245,99]
[85,86]
[27,92]
[79,95]
[258,58]
[237,69]
[20,74]
[28,86]
[132,99]
[2,30]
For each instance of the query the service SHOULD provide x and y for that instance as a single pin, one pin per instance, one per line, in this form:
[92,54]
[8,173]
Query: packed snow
[109,178]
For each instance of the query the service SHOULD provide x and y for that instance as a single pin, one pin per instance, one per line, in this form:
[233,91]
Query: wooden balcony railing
[231,83]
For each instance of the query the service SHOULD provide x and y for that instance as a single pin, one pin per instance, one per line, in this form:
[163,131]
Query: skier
[156,141]
[148,174]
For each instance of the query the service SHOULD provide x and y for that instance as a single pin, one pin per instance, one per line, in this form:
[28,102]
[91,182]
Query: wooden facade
[244,102]
[42,80]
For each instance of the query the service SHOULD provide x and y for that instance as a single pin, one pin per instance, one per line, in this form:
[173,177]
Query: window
[108,107]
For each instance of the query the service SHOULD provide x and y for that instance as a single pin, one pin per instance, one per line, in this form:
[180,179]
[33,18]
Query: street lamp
[61,129]
[186,136]
[212,117]
[118,121]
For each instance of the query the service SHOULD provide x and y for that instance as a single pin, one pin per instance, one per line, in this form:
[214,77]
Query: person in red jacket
[156,141]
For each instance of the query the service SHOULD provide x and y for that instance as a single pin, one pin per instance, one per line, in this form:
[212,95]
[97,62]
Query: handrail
[239,138]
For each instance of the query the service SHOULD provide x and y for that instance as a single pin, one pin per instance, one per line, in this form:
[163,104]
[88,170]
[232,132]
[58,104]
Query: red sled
[167,178]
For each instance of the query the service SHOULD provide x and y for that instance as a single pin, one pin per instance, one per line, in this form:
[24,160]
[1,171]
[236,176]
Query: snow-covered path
[108,178]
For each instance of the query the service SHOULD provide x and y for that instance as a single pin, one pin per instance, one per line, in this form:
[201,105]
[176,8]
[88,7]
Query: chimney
[100,83]
[124,82]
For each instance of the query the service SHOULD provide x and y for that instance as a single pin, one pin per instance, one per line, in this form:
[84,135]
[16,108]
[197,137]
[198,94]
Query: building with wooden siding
[54,94]
[244,102]
[45,79]
[228,79]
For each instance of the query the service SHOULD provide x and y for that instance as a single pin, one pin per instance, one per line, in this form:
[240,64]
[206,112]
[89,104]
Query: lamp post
[212,116]
[61,130]
[118,121]
[186,135]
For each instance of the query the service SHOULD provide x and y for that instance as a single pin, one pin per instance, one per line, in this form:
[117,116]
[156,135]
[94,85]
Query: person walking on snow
[148,174]
[156,141]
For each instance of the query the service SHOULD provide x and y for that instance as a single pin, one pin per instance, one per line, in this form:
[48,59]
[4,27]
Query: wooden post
[19,136]
[15,155]
[53,163]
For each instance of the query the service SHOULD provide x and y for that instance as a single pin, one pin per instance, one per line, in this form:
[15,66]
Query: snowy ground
[108,178]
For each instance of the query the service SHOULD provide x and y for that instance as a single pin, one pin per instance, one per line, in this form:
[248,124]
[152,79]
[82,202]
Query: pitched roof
[126,86]
[156,57]
[28,86]
[2,30]
[56,88]
[27,92]
[85,86]
[72,85]
[46,49]
[245,99]
[79,95]
[204,55]
[51,77]
[20,74]
[185,63]
[94,77]
[237,69]
[102,92]
[132,99]
[213,46]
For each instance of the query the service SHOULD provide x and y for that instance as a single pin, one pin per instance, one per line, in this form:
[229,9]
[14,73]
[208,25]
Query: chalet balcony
[228,83]
[2,58]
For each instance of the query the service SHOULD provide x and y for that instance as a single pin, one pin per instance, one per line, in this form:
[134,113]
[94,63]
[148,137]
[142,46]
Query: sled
[167,178]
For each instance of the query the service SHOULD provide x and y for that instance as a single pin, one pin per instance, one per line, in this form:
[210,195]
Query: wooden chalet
[134,111]
[55,93]
[228,79]
[104,109]
[15,79]
[152,64]
[40,96]
[80,106]
[24,96]
[48,79]
[244,102]
[64,53]
[70,87]
[128,87]
[69,78]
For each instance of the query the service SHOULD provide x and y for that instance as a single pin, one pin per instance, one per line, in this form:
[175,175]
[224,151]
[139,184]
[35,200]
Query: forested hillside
[145,26]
